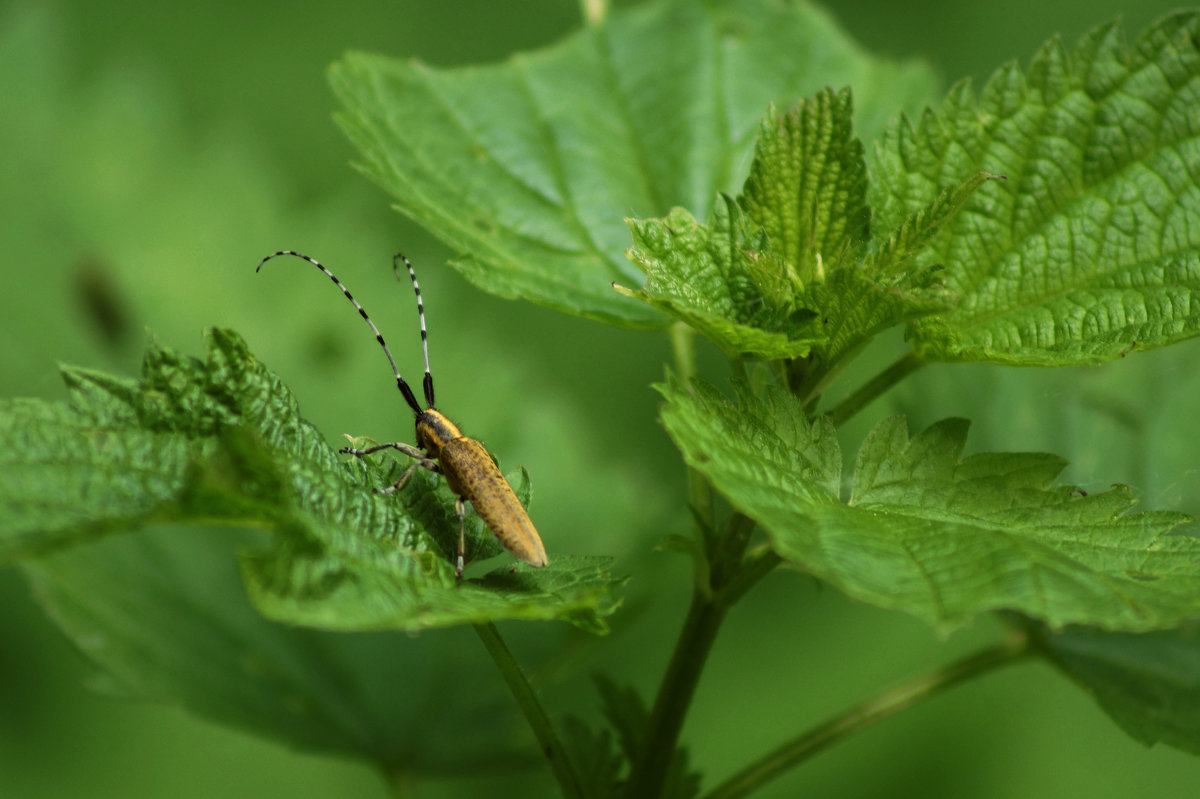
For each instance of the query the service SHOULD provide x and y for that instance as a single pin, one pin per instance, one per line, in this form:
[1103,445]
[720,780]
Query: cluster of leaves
[792,272]
[524,168]
[221,441]
[789,270]
[1086,250]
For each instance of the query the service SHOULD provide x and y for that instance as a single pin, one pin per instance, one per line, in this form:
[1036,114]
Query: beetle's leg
[418,456]
[462,541]
[407,449]
[399,484]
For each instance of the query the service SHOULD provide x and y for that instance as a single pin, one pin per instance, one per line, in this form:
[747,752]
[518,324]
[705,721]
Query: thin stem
[709,604]
[650,770]
[727,557]
[683,352]
[594,11]
[756,567]
[724,551]
[873,710]
[535,714]
[874,387]
[809,387]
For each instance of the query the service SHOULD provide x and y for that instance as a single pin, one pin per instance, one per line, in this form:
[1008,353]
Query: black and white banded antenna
[427,383]
[400,381]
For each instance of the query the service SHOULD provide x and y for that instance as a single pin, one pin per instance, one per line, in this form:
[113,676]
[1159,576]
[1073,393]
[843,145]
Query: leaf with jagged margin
[526,168]
[934,534]
[793,456]
[789,267]
[1091,248]
[594,757]
[707,276]
[628,717]
[1148,683]
[807,187]
[892,257]
[221,441]
[854,307]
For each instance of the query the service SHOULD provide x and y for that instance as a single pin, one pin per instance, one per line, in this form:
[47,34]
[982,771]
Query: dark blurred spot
[100,300]
[324,348]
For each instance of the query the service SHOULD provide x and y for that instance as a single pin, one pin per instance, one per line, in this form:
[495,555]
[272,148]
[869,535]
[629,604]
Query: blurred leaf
[1149,683]
[525,168]
[1090,249]
[932,533]
[221,440]
[595,758]
[163,618]
[628,716]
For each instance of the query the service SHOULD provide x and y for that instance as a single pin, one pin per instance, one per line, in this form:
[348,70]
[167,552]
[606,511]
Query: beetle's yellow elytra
[470,470]
[468,463]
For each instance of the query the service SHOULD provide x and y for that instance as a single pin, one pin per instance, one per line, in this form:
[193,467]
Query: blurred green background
[154,152]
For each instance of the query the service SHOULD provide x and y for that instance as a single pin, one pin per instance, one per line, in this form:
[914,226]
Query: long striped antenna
[400,383]
[428,381]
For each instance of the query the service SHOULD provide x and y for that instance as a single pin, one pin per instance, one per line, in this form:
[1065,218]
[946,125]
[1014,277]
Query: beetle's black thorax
[434,431]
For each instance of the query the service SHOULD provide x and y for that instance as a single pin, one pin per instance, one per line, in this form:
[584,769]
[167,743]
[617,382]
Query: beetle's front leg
[419,459]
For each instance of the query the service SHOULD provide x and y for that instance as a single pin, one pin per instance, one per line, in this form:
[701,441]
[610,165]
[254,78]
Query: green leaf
[807,187]
[1149,683]
[935,534]
[713,278]
[894,256]
[163,618]
[629,717]
[1090,248]
[854,307]
[62,482]
[786,271]
[222,441]
[595,758]
[792,455]
[525,168]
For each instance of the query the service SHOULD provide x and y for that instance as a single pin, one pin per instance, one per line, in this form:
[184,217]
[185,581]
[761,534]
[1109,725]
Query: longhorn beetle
[470,470]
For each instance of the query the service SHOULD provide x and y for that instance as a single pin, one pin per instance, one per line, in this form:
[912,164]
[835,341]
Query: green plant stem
[725,553]
[728,555]
[652,767]
[864,715]
[535,714]
[755,568]
[710,602]
[870,390]
[683,350]
[683,353]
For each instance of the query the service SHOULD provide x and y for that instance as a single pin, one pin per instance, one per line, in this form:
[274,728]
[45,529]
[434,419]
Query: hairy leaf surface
[936,534]
[221,441]
[1090,249]
[526,168]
